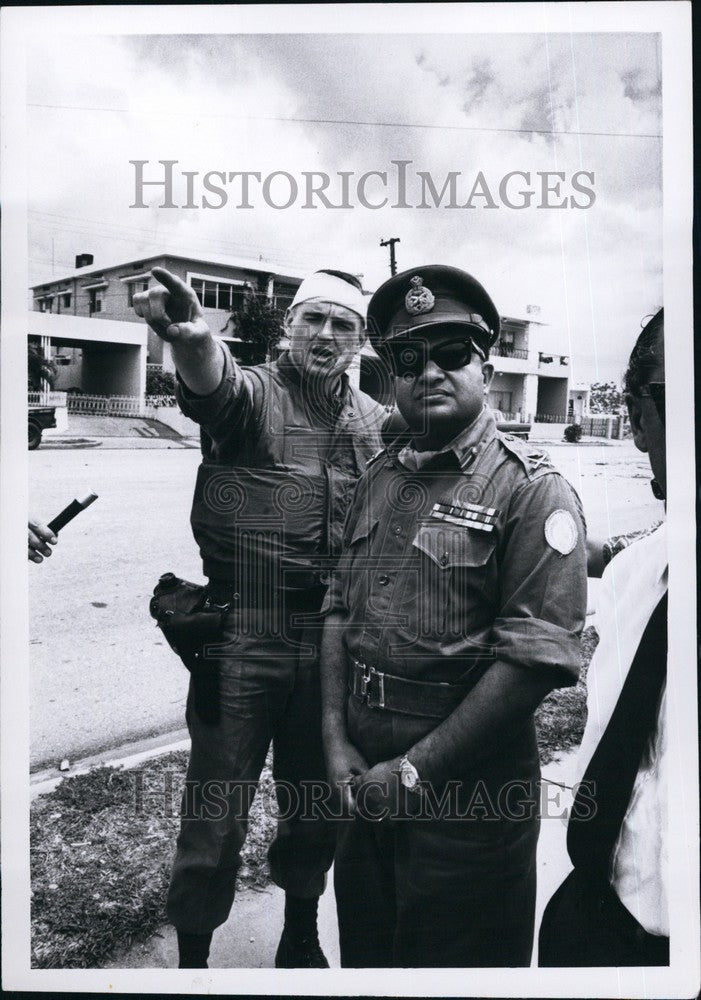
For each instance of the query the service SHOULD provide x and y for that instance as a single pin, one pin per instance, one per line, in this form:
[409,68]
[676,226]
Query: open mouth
[321,355]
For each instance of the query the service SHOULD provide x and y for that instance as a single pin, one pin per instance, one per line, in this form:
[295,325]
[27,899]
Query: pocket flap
[447,545]
[364,527]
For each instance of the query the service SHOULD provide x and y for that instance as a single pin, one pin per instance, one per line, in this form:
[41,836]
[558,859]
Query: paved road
[100,672]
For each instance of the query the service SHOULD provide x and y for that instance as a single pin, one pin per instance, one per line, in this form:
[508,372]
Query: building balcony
[507,351]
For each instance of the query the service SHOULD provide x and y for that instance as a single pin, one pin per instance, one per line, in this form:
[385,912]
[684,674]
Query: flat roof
[221,260]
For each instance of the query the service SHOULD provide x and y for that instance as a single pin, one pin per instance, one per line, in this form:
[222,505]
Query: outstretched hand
[172,309]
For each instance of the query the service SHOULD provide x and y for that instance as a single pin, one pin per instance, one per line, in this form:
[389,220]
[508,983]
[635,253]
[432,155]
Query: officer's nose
[432,373]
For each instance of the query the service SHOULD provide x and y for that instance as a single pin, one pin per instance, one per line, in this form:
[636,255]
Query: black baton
[72,510]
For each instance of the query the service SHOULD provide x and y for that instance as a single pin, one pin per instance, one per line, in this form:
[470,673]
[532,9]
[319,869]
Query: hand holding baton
[72,510]
[41,535]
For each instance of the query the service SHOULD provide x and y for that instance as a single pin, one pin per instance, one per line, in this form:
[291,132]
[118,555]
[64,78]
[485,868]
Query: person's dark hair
[645,356]
[344,276]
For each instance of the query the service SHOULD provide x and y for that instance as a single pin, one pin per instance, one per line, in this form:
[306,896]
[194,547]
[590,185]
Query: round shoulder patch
[561,532]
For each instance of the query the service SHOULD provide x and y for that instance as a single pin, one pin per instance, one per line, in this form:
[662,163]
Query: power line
[139,231]
[344,121]
[112,231]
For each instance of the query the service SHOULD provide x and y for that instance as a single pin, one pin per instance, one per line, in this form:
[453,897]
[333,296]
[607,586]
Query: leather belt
[397,694]
[234,596]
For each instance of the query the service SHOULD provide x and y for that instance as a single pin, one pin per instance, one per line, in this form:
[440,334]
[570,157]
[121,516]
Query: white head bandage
[329,288]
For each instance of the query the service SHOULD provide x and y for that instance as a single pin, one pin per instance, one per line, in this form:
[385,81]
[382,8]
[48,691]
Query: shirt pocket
[359,561]
[456,578]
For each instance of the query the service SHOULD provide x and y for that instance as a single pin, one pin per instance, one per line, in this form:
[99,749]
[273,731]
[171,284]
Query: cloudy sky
[461,103]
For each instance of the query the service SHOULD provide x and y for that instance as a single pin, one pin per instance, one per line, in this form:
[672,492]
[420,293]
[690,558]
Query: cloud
[445,103]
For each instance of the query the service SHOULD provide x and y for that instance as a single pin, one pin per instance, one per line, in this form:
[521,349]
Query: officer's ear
[487,374]
[637,423]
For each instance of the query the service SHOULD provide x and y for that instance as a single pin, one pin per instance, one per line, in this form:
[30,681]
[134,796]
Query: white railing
[162,400]
[116,406]
[48,397]
[113,406]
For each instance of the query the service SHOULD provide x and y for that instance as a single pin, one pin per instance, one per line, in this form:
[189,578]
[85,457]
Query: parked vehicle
[514,427]
[395,428]
[40,417]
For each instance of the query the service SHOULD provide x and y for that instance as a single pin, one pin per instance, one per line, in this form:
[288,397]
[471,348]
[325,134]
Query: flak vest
[270,501]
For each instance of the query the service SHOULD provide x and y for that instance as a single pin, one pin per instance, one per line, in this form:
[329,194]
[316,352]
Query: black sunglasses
[655,391]
[411,357]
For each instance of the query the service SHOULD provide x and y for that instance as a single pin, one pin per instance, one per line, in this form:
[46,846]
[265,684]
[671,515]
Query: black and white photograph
[361,526]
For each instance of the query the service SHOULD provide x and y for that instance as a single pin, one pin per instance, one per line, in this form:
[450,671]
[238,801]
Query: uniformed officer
[283,445]
[457,606]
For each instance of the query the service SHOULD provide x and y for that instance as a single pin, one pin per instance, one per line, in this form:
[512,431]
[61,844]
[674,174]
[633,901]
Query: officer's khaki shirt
[439,599]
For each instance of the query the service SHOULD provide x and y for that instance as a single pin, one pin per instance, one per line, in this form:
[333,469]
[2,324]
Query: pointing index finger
[175,285]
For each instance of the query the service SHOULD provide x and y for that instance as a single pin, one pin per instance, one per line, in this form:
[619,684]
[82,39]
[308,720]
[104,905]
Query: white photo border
[673,22]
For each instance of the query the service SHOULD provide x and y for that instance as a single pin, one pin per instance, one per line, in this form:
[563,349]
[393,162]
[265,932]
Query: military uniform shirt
[279,466]
[460,558]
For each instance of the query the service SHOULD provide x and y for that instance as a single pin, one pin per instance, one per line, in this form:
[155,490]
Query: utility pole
[392,261]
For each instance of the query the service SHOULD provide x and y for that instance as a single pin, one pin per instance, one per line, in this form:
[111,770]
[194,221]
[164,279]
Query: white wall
[172,417]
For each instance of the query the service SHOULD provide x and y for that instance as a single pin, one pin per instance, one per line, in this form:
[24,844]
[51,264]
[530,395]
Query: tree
[40,369]
[160,383]
[606,397]
[259,323]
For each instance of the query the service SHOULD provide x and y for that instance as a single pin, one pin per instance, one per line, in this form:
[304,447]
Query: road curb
[127,755]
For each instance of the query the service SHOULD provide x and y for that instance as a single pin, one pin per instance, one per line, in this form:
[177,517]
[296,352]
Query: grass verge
[102,843]
[561,717]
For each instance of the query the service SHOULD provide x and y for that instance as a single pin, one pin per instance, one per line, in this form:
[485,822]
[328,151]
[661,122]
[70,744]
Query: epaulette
[532,458]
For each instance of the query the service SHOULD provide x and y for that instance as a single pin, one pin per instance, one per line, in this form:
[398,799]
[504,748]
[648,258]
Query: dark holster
[192,627]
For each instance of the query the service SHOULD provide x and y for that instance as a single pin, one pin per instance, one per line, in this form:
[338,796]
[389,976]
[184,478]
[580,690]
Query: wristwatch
[408,775]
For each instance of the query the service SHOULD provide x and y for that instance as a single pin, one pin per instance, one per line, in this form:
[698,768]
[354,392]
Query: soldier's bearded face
[324,338]
[438,404]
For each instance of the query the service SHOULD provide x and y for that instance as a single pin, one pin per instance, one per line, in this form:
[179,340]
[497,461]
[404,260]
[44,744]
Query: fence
[160,401]
[604,426]
[512,418]
[47,398]
[115,406]
[551,418]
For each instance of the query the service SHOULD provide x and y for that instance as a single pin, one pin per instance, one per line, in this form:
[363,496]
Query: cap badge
[419,299]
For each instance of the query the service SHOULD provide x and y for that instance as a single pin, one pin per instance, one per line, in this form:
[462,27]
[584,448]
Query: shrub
[160,383]
[573,433]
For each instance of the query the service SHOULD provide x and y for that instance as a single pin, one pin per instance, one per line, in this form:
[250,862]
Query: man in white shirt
[612,909]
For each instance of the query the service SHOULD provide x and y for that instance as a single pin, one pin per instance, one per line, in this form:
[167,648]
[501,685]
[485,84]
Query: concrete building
[530,383]
[85,320]
[578,404]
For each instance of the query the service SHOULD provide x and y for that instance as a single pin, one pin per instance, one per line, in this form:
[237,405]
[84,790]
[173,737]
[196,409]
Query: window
[95,301]
[66,300]
[284,294]
[44,304]
[222,295]
[135,286]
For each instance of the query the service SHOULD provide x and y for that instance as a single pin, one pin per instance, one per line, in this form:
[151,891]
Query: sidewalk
[107,443]
[116,432]
[250,937]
